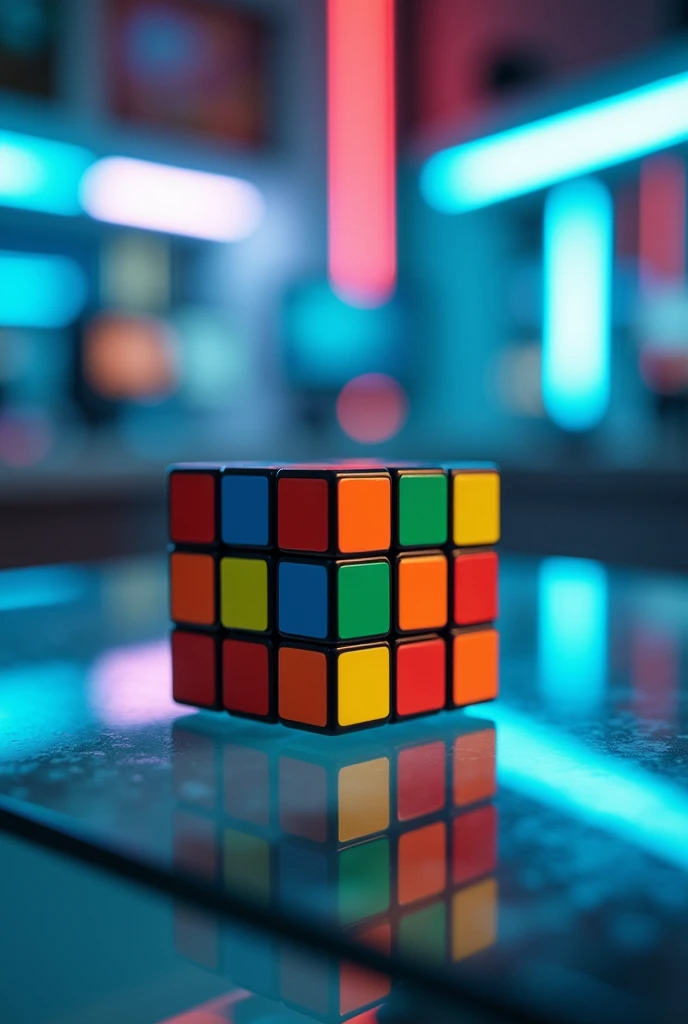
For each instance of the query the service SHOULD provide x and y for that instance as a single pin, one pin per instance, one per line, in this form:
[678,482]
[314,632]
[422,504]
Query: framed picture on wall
[190,65]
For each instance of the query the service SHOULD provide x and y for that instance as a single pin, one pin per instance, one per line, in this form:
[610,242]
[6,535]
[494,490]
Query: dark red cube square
[193,503]
[195,669]
[475,589]
[303,514]
[420,676]
[248,679]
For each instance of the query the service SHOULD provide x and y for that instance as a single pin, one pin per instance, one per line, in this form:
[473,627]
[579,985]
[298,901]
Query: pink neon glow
[133,685]
[171,199]
[361,149]
[372,407]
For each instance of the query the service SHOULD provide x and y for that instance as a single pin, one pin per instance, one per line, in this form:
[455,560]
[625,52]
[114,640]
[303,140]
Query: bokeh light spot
[372,408]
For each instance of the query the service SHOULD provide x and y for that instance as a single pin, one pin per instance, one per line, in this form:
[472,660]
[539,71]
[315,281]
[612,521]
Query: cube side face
[475,587]
[475,666]
[192,506]
[245,594]
[364,514]
[303,600]
[248,679]
[475,508]
[421,780]
[422,592]
[195,669]
[422,509]
[420,677]
[362,686]
[193,588]
[363,599]
[303,684]
[247,509]
[303,513]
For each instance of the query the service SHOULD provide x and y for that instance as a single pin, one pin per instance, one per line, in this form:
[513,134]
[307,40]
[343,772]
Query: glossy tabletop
[532,852]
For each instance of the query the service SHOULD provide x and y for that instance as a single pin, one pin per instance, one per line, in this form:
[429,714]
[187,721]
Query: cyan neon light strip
[40,290]
[572,634]
[578,258]
[533,156]
[40,587]
[40,174]
[605,791]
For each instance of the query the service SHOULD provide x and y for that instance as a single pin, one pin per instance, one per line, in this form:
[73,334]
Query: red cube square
[195,669]
[193,503]
[475,587]
[420,676]
[249,688]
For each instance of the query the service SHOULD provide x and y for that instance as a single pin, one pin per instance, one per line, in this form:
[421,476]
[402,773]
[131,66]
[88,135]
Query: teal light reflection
[40,290]
[41,174]
[40,587]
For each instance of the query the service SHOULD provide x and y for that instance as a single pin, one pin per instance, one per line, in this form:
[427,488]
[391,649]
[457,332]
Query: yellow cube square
[476,508]
[363,685]
[244,594]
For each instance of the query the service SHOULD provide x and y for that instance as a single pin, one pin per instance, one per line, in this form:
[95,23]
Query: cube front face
[333,601]
[363,686]
[475,587]
[420,676]
[475,508]
[192,500]
[195,669]
[422,509]
[245,594]
[248,679]
[193,589]
[475,666]
[421,592]
[303,600]
[363,599]
[334,513]
[246,514]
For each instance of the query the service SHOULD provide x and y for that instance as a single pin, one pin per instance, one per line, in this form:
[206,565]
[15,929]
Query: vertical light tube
[572,634]
[578,257]
[361,150]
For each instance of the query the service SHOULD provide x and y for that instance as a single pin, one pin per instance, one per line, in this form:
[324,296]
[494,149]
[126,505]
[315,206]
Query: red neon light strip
[361,149]
[662,248]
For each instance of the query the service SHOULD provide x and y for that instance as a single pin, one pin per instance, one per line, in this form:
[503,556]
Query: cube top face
[475,587]
[475,501]
[328,512]
[193,505]
[422,508]
[422,592]
[475,666]
[192,589]
[246,513]
[420,676]
[245,594]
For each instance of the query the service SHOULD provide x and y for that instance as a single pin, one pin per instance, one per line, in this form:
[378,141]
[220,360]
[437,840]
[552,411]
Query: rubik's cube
[333,596]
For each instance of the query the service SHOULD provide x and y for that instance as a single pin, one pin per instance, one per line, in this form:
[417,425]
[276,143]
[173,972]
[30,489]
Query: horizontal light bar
[589,138]
[40,174]
[172,200]
[39,290]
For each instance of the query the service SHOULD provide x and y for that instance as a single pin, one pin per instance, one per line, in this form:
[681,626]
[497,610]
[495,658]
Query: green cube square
[364,881]
[423,933]
[423,509]
[363,599]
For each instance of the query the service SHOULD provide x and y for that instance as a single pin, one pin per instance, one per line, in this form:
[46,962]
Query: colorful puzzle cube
[249,677]
[196,669]
[326,511]
[474,666]
[474,587]
[419,675]
[334,688]
[333,599]
[420,507]
[474,504]
[246,592]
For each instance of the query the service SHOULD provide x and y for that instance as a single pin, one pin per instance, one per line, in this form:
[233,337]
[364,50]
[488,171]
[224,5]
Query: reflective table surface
[530,854]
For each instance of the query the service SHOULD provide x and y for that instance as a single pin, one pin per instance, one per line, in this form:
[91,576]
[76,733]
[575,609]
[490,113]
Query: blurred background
[296,228]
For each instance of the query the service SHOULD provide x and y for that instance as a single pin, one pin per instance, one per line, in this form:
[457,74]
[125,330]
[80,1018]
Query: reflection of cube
[475,506]
[248,865]
[245,593]
[474,767]
[249,684]
[334,600]
[419,678]
[193,588]
[421,592]
[422,934]
[421,507]
[330,988]
[474,844]
[333,689]
[421,868]
[324,511]
[421,782]
[247,509]
[474,919]
[333,799]
[195,669]
[193,490]
[474,661]
[475,587]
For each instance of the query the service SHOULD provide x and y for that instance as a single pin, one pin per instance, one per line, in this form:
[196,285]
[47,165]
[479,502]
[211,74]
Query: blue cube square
[302,600]
[245,515]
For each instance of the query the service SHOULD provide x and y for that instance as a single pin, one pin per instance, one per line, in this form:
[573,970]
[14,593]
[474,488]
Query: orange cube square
[193,589]
[474,665]
[422,592]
